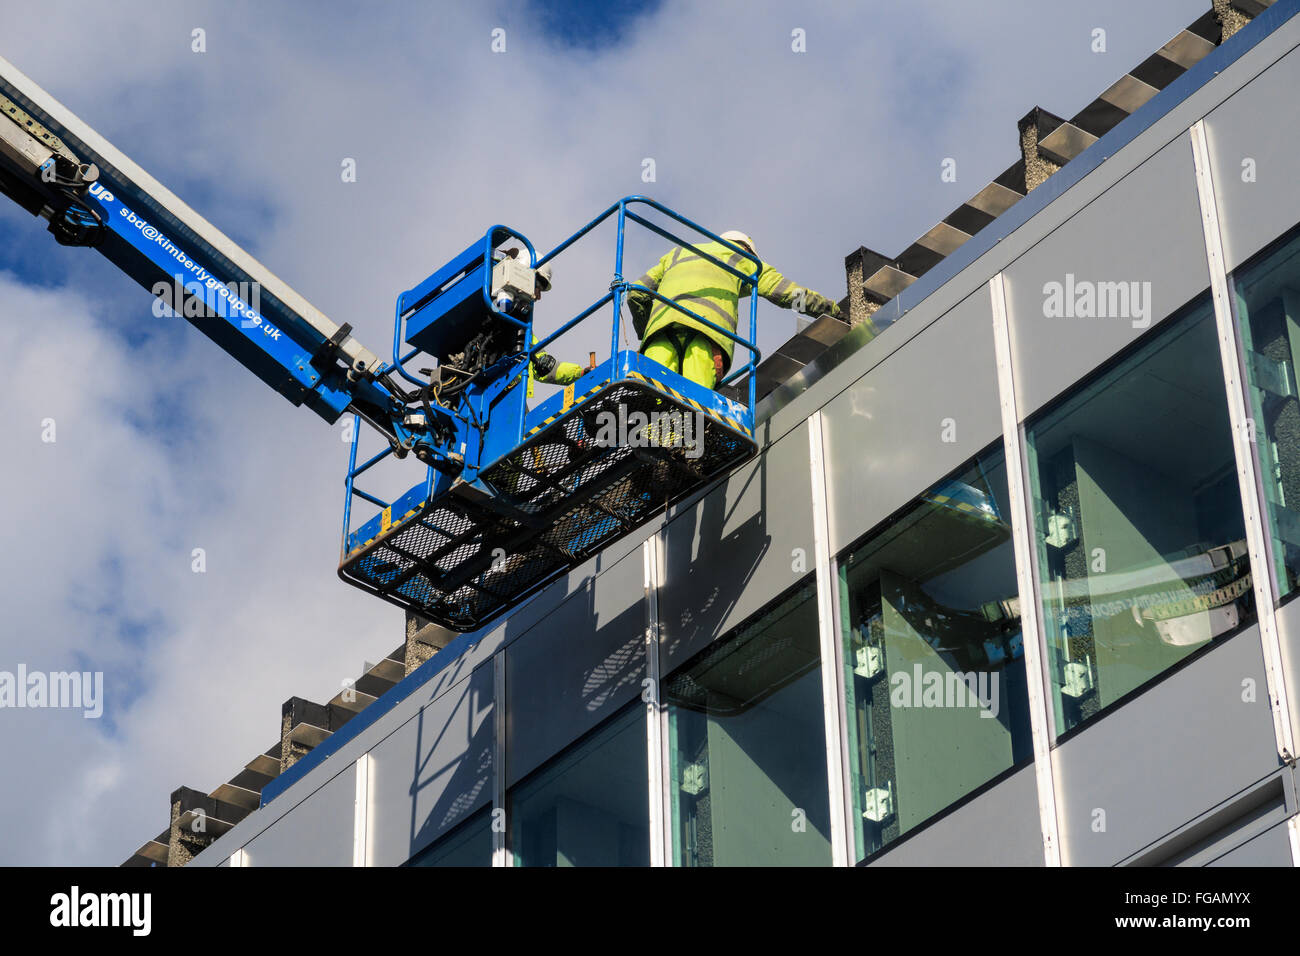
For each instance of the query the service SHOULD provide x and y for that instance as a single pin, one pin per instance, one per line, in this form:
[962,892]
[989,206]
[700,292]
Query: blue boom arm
[54,166]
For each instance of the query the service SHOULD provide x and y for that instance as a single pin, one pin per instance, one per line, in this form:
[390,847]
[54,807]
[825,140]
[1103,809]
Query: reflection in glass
[748,745]
[1267,300]
[1138,521]
[934,660]
[469,844]
[590,805]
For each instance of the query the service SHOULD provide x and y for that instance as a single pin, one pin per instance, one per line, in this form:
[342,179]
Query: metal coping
[1124,133]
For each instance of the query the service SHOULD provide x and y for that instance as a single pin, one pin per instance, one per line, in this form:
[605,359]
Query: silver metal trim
[657,769]
[842,704]
[1040,717]
[1292,830]
[501,855]
[1231,356]
[665,735]
[832,673]
[361,814]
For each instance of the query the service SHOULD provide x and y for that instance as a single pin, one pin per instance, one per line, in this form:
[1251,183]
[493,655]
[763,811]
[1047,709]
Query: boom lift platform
[509,497]
[514,497]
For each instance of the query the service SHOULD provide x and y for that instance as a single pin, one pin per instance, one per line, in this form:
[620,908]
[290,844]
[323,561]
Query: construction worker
[545,368]
[683,345]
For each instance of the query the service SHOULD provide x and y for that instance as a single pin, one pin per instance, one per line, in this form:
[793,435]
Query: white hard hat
[544,276]
[736,237]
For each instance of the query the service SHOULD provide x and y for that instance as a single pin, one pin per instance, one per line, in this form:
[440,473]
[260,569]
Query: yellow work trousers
[693,358]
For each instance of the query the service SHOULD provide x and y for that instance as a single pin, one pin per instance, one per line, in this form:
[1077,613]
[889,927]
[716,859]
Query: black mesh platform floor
[465,559]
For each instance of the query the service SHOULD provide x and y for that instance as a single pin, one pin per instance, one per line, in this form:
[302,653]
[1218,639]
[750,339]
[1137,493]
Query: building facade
[1011,583]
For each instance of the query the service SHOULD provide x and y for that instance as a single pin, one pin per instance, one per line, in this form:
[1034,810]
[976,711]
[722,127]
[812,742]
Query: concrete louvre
[1037,166]
[196,820]
[423,640]
[1231,16]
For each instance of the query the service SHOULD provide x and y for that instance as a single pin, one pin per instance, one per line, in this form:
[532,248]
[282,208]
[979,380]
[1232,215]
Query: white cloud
[167,445]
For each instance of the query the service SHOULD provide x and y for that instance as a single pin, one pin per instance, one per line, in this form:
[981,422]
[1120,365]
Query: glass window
[469,844]
[1267,298]
[589,806]
[748,745]
[934,661]
[1139,529]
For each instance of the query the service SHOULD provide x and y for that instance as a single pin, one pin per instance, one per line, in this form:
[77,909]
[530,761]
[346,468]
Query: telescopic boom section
[53,165]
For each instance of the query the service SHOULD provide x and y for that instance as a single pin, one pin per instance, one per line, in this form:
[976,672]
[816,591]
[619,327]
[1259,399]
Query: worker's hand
[838,313]
[638,305]
[543,364]
[816,304]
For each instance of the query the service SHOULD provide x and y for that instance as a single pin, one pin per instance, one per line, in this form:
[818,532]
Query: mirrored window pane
[1138,521]
[748,745]
[589,806]
[469,844]
[1267,301]
[934,659]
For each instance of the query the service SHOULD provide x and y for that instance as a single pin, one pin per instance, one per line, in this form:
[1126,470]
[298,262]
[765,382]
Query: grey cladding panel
[316,832]
[735,550]
[1270,848]
[433,772]
[576,667]
[886,434]
[1146,229]
[1254,134]
[1167,756]
[997,828]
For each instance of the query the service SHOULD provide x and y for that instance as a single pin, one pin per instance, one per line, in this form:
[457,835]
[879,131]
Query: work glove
[816,304]
[639,307]
[543,364]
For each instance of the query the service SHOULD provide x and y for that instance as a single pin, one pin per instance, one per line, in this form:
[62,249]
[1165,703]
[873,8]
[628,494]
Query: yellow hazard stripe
[692,402]
[387,525]
[569,402]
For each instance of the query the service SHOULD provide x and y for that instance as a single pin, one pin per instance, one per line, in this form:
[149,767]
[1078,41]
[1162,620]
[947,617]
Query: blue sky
[591,24]
[165,445]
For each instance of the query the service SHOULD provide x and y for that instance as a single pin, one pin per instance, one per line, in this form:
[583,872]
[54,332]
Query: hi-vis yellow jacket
[712,292]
